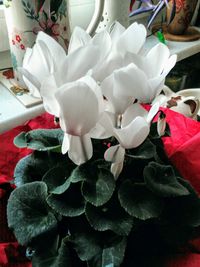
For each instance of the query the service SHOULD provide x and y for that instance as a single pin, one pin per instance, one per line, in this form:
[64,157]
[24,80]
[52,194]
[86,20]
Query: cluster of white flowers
[93,89]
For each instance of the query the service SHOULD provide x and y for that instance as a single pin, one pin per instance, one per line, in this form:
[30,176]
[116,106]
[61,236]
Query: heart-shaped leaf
[98,186]
[109,217]
[33,167]
[71,203]
[28,213]
[138,201]
[161,180]
[41,140]
[86,245]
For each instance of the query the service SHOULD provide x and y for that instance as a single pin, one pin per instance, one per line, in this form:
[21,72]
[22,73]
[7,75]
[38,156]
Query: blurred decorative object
[186,102]
[179,15]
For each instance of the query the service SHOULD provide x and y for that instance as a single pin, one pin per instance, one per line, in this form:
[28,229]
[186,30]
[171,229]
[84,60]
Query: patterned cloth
[182,148]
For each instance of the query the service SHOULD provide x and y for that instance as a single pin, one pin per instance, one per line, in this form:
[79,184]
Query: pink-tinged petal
[131,81]
[157,58]
[133,111]
[116,169]
[132,39]
[65,143]
[133,134]
[114,154]
[152,112]
[80,106]
[80,149]
[78,63]
[116,30]
[79,38]
[48,89]
[118,103]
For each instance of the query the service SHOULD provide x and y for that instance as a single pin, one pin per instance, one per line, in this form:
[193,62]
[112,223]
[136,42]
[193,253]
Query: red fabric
[11,254]
[182,148]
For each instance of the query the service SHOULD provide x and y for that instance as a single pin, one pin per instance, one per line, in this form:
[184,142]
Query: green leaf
[79,174]
[28,213]
[138,201]
[161,180]
[98,186]
[57,179]
[86,245]
[70,203]
[111,256]
[60,259]
[109,217]
[41,140]
[184,210]
[32,167]
[146,150]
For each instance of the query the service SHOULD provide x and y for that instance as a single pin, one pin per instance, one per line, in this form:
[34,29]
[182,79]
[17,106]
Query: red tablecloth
[183,148]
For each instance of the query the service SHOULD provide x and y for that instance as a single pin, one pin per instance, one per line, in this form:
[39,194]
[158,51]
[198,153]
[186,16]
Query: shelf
[182,49]
[13,113]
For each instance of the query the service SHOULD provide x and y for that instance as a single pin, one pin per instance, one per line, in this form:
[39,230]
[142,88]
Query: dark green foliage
[80,216]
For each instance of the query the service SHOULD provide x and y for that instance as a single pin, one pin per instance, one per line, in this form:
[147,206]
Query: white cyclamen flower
[80,106]
[47,64]
[131,131]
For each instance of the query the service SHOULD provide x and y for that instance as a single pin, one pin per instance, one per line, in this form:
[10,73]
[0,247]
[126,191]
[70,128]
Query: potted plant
[99,190]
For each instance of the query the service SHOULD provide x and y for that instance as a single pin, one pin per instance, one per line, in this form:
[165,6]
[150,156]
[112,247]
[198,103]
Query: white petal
[103,41]
[153,111]
[78,39]
[106,68]
[157,58]
[115,154]
[132,39]
[78,63]
[161,126]
[103,129]
[36,63]
[48,89]
[31,82]
[133,134]
[45,52]
[133,111]
[116,30]
[118,103]
[131,81]
[55,48]
[65,144]
[116,169]
[80,149]
[80,106]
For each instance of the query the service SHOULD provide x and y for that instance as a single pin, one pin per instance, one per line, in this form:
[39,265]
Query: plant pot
[184,13]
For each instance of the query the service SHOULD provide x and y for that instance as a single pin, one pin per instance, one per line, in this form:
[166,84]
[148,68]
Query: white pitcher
[114,10]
